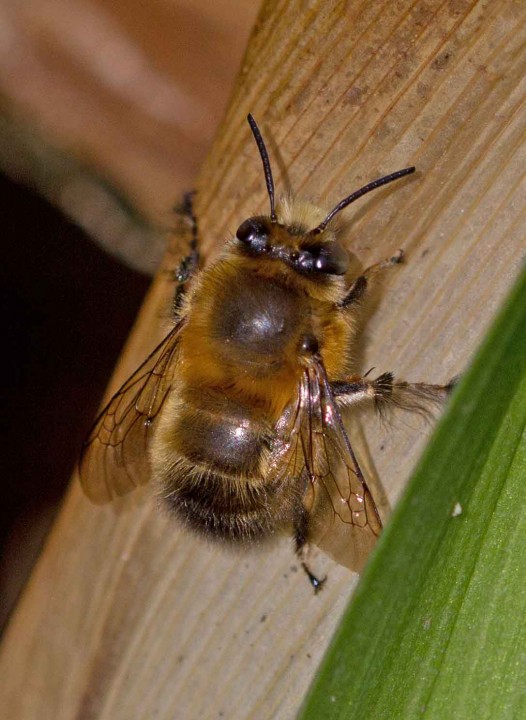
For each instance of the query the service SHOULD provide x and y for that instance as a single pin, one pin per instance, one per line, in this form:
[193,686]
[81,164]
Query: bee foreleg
[190,263]
[302,548]
[361,284]
[387,393]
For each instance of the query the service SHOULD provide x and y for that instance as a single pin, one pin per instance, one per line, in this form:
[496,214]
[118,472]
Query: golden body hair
[251,327]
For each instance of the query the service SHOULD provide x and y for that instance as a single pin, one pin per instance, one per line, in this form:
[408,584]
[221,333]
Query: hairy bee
[236,414]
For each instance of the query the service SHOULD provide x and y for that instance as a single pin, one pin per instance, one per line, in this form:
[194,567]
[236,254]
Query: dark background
[66,309]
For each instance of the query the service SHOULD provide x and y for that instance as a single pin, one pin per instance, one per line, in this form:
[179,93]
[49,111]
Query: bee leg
[385,392]
[360,285]
[190,263]
[301,548]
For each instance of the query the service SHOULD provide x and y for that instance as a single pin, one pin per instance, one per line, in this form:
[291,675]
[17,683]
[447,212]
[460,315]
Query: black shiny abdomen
[216,431]
[216,482]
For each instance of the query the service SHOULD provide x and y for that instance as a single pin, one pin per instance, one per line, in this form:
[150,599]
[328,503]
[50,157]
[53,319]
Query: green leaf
[437,626]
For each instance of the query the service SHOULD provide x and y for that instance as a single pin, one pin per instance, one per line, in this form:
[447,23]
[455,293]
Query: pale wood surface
[127,618]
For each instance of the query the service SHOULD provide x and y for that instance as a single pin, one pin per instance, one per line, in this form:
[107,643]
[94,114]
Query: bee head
[303,249]
[304,252]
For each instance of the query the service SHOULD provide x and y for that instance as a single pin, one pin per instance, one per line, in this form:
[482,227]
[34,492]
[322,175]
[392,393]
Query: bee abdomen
[225,438]
[210,455]
[218,506]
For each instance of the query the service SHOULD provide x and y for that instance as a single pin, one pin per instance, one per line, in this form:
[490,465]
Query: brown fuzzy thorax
[245,326]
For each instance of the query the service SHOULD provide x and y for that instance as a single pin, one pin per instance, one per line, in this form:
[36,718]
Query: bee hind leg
[387,393]
[302,547]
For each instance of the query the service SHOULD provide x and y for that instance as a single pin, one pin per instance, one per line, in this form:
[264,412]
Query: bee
[237,414]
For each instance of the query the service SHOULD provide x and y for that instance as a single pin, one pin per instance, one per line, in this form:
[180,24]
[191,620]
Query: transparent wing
[343,518]
[313,445]
[114,459]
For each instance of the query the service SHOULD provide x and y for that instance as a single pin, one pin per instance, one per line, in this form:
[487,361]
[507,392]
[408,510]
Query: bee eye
[330,258]
[254,234]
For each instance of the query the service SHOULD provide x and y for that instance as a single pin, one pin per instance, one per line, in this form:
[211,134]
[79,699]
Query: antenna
[358,194]
[266,165]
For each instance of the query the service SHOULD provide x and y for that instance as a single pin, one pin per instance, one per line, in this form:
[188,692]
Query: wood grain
[125,616]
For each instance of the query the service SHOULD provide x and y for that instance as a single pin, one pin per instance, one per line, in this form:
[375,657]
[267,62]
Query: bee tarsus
[362,283]
[316,583]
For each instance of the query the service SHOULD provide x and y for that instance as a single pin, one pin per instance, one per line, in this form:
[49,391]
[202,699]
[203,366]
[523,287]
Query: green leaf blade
[436,628]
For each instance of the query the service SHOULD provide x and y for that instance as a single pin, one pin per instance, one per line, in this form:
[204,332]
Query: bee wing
[114,459]
[343,518]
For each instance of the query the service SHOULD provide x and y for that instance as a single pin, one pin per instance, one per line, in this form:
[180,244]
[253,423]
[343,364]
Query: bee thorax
[259,320]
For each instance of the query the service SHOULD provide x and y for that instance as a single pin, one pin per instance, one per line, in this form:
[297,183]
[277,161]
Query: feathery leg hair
[386,393]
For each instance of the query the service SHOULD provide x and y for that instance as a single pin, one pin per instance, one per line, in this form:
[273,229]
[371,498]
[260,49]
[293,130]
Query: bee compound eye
[333,259]
[254,234]
[305,261]
[328,258]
